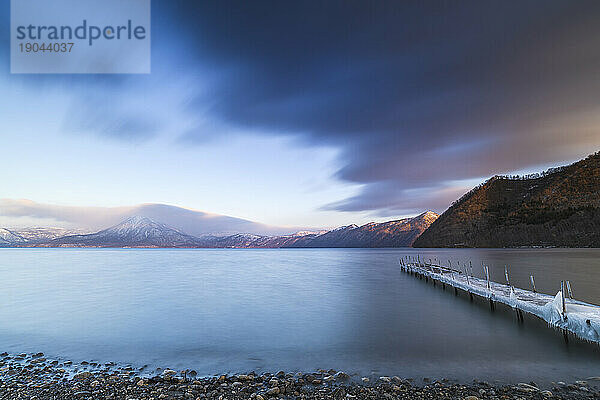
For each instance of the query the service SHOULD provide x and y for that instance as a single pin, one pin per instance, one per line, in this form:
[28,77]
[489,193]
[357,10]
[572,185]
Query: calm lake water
[220,311]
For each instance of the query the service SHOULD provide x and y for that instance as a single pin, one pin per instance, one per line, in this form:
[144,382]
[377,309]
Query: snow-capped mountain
[135,231]
[138,231]
[343,228]
[399,233]
[42,234]
[305,233]
[92,219]
[10,237]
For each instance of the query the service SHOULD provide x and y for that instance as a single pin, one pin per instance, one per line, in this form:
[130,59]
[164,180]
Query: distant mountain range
[33,235]
[143,232]
[560,207]
[400,233]
[92,219]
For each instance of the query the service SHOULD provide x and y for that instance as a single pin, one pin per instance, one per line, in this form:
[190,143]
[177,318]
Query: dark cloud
[416,94]
[387,199]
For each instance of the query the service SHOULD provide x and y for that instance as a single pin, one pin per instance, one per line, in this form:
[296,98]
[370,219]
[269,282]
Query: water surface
[227,310]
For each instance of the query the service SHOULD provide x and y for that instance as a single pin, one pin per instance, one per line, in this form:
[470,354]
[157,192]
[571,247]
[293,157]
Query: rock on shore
[36,378]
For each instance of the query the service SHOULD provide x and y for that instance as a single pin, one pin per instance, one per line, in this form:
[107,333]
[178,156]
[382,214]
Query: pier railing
[560,311]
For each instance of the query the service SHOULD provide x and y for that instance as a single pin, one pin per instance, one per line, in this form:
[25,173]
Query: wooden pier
[560,311]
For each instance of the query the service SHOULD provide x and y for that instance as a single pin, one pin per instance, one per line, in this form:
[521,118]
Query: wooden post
[487,277]
[562,295]
[483,268]
[467,275]
[471,267]
[569,290]
[532,283]
[507,278]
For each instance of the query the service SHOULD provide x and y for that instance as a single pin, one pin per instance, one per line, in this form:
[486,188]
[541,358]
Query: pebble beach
[35,377]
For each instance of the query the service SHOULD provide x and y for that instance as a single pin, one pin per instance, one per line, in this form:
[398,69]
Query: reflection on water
[298,309]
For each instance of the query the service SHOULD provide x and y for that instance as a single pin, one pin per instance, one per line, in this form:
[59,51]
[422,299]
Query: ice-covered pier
[560,311]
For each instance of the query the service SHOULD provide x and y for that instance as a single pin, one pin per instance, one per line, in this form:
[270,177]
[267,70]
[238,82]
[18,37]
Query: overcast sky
[311,113]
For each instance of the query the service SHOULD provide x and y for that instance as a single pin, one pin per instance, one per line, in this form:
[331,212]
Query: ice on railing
[579,318]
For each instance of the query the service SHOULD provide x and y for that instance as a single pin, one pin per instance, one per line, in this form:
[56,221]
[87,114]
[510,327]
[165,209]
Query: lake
[237,310]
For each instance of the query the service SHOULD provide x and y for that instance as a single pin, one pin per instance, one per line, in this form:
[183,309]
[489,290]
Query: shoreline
[33,376]
[42,246]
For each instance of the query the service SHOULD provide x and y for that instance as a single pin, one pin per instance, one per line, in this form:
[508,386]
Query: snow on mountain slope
[399,233]
[41,234]
[135,231]
[140,231]
[10,237]
[305,233]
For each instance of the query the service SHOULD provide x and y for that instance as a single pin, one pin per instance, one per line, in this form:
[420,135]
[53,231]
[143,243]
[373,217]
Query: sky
[309,114]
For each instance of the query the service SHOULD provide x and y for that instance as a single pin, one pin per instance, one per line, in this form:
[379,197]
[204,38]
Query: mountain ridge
[557,208]
[140,231]
[135,231]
